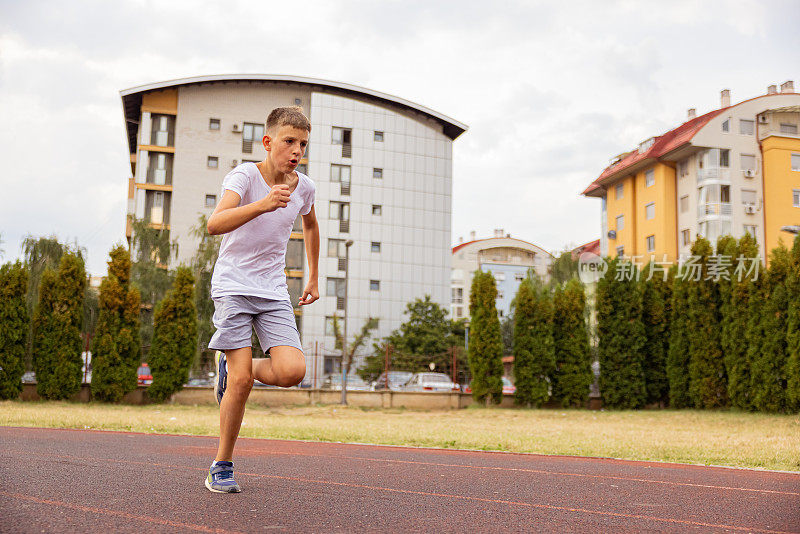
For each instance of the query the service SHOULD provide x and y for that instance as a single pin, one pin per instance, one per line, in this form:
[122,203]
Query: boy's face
[285,147]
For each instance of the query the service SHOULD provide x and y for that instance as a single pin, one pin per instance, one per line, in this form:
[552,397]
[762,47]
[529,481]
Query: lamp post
[345,363]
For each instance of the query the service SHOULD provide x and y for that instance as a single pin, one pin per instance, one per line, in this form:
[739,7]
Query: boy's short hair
[288,116]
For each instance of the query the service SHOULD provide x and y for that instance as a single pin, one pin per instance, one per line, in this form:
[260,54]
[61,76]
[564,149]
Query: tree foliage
[621,337]
[57,329]
[115,347]
[708,387]
[203,267]
[174,338]
[14,325]
[564,268]
[151,251]
[768,380]
[792,369]
[426,336]
[656,290]
[485,353]
[573,365]
[677,364]
[534,347]
[737,330]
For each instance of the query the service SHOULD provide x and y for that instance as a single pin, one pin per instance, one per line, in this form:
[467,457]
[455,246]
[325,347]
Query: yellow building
[731,171]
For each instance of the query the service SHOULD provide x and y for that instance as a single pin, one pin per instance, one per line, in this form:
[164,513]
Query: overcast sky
[550,91]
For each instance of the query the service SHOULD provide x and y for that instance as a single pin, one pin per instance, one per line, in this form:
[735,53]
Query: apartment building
[382,166]
[730,171]
[507,258]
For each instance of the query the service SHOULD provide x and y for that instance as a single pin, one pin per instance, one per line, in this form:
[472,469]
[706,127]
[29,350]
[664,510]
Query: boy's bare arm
[228,215]
[311,238]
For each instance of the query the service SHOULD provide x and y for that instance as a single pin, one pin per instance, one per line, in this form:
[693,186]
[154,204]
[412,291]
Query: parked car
[430,382]
[145,378]
[354,383]
[508,387]
[200,382]
[29,378]
[396,380]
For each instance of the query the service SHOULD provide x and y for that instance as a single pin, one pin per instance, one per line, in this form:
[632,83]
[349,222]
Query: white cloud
[550,92]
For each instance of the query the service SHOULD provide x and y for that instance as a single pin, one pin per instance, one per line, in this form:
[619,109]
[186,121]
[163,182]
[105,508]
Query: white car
[430,382]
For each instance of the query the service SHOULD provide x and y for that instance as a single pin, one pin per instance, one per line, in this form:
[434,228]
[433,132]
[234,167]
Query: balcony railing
[714,173]
[714,208]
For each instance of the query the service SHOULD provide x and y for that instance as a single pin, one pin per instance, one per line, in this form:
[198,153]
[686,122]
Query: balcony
[717,174]
[714,209]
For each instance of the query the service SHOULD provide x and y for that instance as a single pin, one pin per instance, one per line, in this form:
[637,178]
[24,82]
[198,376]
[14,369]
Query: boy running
[260,202]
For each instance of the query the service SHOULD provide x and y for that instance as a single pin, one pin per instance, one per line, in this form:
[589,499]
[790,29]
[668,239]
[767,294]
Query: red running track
[90,481]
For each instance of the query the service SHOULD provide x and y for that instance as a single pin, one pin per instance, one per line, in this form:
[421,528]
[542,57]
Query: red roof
[667,143]
[591,246]
[663,145]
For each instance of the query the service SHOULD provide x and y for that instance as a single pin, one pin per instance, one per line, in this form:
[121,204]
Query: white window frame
[650,242]
[620,223]
[212,162]
[751,126]
[796,198]
[652,207]
[684,203]
[619,191]
[213,201]
[794,162]
[649,178]
[377,210]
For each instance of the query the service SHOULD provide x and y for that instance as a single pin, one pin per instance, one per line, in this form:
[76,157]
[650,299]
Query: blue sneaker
[222,375]
[220,478]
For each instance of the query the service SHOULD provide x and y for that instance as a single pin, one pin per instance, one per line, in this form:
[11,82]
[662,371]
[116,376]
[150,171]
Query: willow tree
[151,253]
[203,267]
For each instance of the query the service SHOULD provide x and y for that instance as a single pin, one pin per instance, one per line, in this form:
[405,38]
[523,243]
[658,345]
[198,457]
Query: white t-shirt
[252,257]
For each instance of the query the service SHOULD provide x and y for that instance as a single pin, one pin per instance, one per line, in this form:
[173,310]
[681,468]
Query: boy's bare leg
[285,367]
[240,381]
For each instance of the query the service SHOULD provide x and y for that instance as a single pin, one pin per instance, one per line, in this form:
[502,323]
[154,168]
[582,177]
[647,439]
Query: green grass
[707,437]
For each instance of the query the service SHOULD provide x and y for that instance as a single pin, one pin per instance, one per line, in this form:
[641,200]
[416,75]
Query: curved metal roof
[132,97]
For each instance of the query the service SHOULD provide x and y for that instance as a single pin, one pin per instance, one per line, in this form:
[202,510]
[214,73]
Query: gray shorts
[235,316]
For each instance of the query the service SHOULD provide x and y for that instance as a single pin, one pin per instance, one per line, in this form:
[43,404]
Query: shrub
[14,325]
[174,338]
[115,347]
[57,323]
[485,353]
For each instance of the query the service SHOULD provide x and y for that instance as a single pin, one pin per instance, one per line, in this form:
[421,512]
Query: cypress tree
[708,385]
[534,349]
[656,294]
[57,323]
[174,338]
[768,380]
[573,374]
[14,325]
[736,327]
[621,337]
[677,364]
[792,371]
[485,353]
[115,347]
